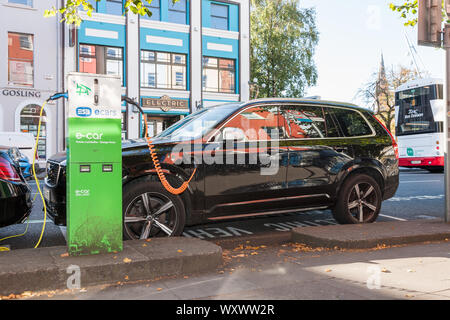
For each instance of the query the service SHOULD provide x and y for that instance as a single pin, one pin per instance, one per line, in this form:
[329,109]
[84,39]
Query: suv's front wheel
[149,210]
[359,200]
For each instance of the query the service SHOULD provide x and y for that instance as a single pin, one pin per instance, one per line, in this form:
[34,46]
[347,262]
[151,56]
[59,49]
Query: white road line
[39,221]
[395,218]
[63,231]
[420,181]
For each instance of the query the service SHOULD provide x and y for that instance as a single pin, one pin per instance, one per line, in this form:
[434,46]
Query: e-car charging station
[94,164]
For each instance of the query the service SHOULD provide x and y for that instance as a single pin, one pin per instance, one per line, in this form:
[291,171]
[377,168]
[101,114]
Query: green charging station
[94,164]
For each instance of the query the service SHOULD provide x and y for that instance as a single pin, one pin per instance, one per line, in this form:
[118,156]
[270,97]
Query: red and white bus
[419,124]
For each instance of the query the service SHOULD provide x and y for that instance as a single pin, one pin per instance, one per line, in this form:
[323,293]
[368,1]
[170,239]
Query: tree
[283,41]
[69,12]
[379,92]
[409,9]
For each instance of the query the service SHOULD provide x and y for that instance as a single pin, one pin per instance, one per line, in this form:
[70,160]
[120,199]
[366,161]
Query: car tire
[149,210]
[359,200]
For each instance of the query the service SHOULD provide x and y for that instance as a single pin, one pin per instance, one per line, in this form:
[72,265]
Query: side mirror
[234,134]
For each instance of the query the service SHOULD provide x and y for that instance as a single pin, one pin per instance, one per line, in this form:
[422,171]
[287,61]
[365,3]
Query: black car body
[317,155]
[15,193]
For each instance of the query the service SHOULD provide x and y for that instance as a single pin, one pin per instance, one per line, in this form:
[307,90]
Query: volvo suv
[261,157]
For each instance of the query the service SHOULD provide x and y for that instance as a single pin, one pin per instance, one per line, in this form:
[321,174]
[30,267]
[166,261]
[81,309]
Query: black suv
[256,158]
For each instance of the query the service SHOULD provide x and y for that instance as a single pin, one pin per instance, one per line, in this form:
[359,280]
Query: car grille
[52,172]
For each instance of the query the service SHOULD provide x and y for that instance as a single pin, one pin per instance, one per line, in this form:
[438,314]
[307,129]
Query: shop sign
[20,93]
[165,103]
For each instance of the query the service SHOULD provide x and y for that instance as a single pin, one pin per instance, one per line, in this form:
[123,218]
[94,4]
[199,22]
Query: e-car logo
[89,136]
[84,111]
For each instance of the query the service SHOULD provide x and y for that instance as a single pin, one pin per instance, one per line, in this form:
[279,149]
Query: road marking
[420,181]
[63,231]
[391,217]
[440,196]
[39,221]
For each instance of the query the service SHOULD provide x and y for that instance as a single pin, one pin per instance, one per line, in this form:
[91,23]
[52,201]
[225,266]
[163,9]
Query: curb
[51,268]
[366,236]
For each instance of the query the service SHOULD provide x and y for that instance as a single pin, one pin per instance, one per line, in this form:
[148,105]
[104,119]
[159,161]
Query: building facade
[30,71]
[187,55]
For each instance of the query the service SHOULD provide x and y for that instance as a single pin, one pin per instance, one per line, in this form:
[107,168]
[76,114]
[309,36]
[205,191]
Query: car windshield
[199,123]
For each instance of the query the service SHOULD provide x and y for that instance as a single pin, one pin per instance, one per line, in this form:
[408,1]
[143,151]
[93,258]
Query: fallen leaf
[385,270]
[126,278]
[64,255]
[328,270]
[159,289]
[144,245]
[148,240]
[126,260]
[409,295]
[179,251]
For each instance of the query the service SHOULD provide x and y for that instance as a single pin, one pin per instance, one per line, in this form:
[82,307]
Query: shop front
[162,112]
[21,108]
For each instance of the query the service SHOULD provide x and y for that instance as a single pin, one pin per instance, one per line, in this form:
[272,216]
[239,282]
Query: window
[219,75]
[28,3]
[177,11]
[155,9]
[257,123]
[303,122]
[114,7]
[163,70]
[29,121]
[351,123]
[219,16]
[20,59]
[101,60]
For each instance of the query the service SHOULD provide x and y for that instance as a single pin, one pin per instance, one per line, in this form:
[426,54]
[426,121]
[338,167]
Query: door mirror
[234,134]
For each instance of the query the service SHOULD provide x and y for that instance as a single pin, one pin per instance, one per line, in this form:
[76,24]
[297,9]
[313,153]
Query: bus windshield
[415,114]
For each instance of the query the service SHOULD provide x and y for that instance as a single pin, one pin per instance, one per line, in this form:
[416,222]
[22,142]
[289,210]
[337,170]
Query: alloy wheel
[362,202]
[150,215]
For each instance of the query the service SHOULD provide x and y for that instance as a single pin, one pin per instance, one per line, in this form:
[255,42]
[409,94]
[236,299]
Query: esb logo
[84,111]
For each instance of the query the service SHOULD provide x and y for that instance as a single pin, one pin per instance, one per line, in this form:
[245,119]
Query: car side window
[331,123]
[256,123]
[351,123]
[302,122]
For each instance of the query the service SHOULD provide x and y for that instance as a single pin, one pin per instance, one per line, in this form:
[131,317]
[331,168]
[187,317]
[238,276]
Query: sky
[353,35]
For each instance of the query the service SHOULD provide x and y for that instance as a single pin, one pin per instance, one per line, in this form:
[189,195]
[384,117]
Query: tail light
[7,171]
[394,143]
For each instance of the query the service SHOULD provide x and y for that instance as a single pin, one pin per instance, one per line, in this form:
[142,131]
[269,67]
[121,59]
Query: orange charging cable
[159,171]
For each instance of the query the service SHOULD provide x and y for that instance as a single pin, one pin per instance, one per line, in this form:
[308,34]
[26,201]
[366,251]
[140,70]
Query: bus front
[419,118]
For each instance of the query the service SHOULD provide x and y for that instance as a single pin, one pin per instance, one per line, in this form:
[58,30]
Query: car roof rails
[313,97]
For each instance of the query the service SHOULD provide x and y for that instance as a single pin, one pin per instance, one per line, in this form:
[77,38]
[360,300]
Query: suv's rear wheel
[149,210]
[359,200]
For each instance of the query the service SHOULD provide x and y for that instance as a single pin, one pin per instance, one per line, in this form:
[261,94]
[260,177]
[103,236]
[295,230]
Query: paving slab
[50,268]
[364,236]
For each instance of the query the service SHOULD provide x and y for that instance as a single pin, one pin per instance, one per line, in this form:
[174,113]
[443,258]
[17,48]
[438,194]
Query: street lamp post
[447,120]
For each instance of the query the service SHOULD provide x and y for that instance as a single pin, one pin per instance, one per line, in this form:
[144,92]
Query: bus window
[415,114]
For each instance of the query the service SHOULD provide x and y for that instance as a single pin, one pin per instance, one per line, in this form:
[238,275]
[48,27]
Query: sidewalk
[296,272]
[252,270]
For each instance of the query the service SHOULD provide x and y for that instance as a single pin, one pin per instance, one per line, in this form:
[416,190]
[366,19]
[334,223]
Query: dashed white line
[416,181]
[391,217]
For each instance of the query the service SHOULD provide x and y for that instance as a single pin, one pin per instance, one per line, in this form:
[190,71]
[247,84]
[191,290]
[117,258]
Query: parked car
[15,193]
[261,157]
[24,141]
